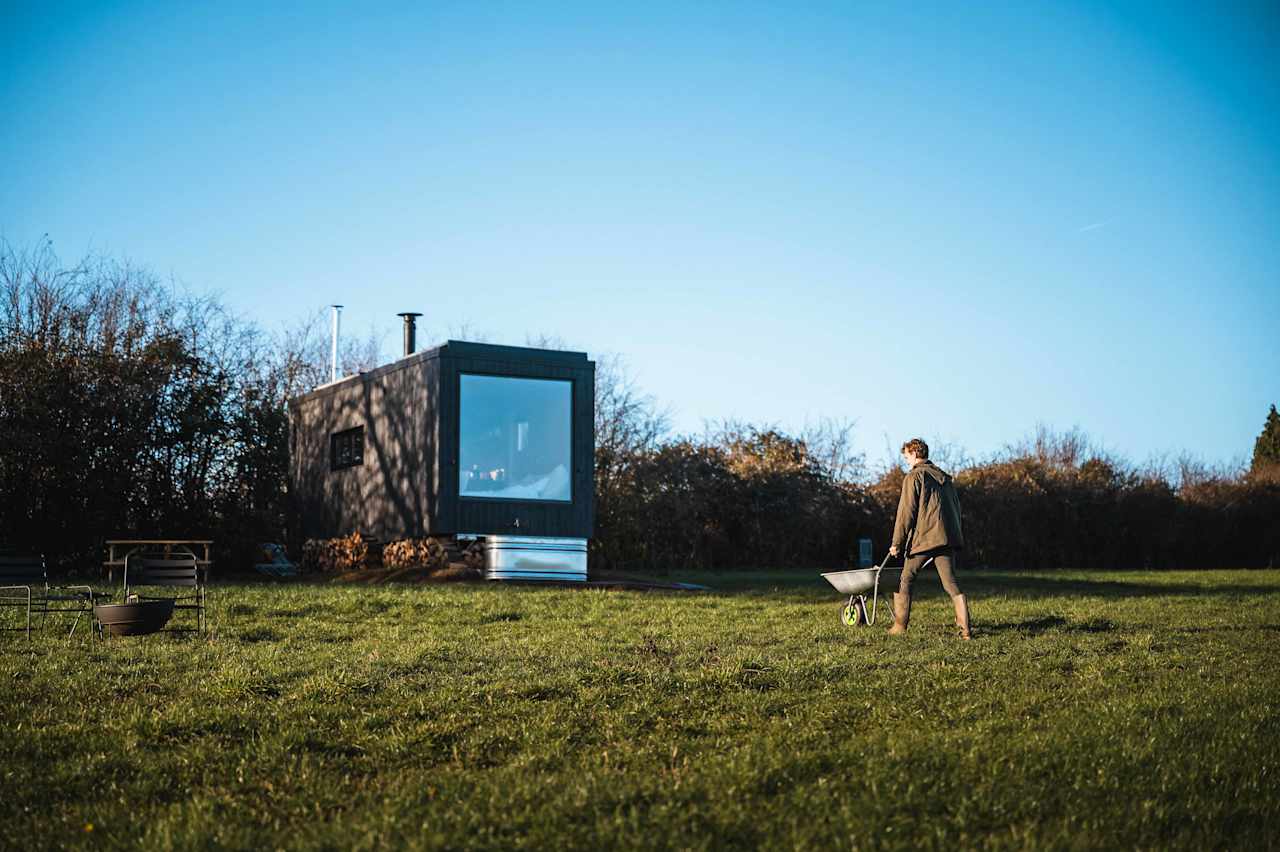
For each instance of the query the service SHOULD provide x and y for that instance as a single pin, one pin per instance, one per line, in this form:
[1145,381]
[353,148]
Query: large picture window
[515,438]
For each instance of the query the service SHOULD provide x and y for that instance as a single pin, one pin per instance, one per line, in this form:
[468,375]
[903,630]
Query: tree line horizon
[128,408]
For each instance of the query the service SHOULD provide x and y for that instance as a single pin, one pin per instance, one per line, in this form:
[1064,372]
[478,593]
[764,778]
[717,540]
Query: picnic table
[119,549]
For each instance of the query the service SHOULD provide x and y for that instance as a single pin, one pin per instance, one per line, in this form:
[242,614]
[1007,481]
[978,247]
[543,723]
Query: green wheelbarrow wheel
[853,613]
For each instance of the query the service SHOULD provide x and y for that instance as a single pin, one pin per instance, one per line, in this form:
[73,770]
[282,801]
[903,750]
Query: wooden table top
[160,541]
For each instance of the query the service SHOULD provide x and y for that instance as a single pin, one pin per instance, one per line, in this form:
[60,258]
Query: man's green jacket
[928,511]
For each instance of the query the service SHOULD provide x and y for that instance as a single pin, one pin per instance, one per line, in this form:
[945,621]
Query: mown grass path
[1092,711]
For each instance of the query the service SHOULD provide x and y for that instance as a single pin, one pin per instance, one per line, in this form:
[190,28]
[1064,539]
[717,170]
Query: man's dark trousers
[945,560]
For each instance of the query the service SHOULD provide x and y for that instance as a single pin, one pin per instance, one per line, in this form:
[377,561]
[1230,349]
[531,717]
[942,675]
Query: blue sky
[955,221]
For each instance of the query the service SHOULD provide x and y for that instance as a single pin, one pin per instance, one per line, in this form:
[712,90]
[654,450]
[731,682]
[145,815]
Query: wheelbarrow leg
[875,602]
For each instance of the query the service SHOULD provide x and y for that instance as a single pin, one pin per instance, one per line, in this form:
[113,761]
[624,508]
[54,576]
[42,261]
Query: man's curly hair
[916,447]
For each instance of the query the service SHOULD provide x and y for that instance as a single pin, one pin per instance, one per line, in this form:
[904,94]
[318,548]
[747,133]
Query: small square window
[346,449]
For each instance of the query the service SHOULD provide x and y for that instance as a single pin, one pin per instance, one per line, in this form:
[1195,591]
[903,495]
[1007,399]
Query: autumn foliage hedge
[763,499]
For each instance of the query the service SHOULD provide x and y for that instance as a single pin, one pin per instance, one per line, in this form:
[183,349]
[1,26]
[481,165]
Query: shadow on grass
[1041,586]
[1049,624]
[987,584]
[807,584]
[1231,628]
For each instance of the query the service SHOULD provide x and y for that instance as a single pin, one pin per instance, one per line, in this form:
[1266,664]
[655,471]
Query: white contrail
[1095,226]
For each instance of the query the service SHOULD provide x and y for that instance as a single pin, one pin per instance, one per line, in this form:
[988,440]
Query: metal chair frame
[174,570]
[27,585]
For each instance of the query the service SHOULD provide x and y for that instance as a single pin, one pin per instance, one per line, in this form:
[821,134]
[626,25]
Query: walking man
[927,527]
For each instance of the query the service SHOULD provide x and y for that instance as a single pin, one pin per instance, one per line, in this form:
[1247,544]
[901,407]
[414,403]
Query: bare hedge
[129,409]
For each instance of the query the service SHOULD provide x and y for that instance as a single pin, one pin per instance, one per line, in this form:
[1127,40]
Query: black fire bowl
[137,618]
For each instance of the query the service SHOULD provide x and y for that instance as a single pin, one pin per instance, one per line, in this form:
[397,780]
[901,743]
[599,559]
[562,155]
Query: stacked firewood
[473,556]
[466,560]
[338,555]
[464,557]
[426,554]
[432,558]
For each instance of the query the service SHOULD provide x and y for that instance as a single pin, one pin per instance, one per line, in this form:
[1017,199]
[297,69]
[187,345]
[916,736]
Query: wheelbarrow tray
[854,582]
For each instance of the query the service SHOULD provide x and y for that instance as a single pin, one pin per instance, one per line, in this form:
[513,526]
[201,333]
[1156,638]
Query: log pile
[426,554]
[353,558]
[354,552]
[466,555]
[473,556]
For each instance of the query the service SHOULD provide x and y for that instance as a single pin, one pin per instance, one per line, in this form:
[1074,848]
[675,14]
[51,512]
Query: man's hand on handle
[894,551]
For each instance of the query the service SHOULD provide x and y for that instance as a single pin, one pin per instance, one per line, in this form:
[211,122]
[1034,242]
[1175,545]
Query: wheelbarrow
[856,584]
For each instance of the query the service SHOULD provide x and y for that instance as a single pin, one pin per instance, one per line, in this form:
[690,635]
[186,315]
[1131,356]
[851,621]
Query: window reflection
[515,438]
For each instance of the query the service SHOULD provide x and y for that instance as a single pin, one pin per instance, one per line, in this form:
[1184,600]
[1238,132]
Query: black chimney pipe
[410,331]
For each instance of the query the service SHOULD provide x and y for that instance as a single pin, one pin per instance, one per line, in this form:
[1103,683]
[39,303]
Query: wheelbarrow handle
[926,564]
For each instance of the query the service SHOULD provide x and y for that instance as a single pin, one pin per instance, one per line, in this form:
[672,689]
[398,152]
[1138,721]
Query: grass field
[1092,711]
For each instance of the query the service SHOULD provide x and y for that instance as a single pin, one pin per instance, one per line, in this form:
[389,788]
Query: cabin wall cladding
[407,484]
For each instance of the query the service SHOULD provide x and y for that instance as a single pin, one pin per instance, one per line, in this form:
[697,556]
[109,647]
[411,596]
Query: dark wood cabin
[464,439]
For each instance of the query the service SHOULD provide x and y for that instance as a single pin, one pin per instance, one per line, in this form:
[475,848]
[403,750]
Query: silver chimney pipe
[410,332]
[333,352]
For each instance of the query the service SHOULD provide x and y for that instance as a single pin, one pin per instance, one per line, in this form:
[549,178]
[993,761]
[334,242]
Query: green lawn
[1093,710]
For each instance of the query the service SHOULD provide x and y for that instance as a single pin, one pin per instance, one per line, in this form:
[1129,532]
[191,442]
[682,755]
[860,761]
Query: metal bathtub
[513,557]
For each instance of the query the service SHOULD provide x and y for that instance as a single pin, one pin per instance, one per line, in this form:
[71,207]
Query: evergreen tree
[1266,450]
